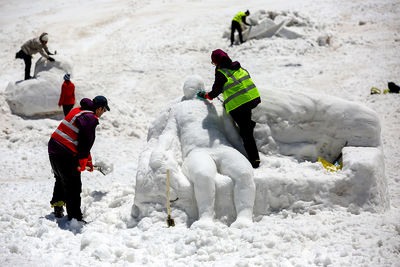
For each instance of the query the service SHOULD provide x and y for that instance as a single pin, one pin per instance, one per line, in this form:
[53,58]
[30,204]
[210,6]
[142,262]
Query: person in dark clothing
[69,153]
[236,25]
[31,47]
[240,97]
[67,96]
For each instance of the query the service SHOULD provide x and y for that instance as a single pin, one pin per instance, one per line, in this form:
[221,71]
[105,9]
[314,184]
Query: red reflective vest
[67,132]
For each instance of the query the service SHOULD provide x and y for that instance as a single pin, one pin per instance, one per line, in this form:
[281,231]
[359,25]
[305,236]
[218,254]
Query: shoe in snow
[58,212]
[255,163]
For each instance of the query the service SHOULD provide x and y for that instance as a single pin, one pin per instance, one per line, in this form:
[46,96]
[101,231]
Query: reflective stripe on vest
[238,89]
[67,132]
[239,17]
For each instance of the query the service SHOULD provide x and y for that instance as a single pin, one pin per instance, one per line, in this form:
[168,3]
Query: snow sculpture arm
[160,155]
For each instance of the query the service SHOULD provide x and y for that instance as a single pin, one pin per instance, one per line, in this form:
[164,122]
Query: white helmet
[44,37]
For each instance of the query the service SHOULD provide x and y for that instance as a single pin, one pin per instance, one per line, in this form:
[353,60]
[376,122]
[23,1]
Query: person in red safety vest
[67,96]
[69,153]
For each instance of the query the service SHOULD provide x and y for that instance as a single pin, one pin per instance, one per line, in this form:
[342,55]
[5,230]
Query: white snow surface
[138,54]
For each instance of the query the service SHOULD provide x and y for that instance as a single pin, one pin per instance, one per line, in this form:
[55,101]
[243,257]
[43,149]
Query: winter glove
[51,59]
[82,165]
[203,95]
[90,163]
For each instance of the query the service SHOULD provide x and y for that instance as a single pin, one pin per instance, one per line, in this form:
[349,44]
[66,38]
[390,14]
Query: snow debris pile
[39,96]
[267,24]
[293,130]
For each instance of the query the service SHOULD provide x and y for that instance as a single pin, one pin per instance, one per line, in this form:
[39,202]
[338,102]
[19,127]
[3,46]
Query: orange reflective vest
[67,132]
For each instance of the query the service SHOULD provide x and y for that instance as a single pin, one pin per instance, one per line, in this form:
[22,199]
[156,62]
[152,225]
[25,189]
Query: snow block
[360,186]
[293,129]
[366,186]
[38,96]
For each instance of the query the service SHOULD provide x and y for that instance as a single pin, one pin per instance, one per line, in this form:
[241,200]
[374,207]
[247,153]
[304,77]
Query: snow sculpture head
[192,85]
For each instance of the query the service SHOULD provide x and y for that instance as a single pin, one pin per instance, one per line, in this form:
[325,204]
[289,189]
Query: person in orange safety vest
[69,153]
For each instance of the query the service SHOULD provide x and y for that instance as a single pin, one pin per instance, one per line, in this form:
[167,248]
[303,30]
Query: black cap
[100,101]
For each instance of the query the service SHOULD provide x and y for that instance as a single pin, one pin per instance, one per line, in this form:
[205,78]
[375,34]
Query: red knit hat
[218,56]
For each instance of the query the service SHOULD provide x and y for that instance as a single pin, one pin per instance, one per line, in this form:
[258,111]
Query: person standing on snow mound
[236,25]
[206,151]
[69,153]
[31,47]
[240,97]
[67,97]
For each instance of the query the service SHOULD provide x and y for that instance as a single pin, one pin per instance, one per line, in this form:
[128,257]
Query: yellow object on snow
[375,90]
[58,204]
[329,166]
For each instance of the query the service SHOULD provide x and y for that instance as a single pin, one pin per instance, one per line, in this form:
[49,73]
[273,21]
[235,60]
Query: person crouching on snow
[67,96]
[69,153]
[240,97]
[31,47]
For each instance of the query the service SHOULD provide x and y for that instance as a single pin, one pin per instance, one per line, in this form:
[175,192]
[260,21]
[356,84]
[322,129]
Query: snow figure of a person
[206,151]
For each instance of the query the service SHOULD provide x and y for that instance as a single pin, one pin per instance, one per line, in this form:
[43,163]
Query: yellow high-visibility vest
[239,17]
[239,88]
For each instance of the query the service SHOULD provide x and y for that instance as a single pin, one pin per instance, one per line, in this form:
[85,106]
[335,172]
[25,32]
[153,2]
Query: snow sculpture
[293,129]
[39,96]
[305,127]
[192,145]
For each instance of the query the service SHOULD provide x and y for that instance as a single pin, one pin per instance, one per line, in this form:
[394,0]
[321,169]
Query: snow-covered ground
[138,54]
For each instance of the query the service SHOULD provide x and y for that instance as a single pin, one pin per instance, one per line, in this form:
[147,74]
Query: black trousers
[236,26]
[67,109]
[242,117]
[28,63]
[68,185]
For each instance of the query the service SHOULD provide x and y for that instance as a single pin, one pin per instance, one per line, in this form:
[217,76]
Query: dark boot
[393,88]
[255,163]
[58,212]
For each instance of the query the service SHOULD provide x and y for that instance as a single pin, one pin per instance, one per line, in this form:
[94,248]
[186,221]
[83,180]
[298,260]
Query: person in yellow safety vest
[237,20]
[240,97]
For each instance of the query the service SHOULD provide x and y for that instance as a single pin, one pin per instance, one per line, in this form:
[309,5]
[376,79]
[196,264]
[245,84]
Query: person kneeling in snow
[69,153]
[240,95]
[31,47]
[205,151]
